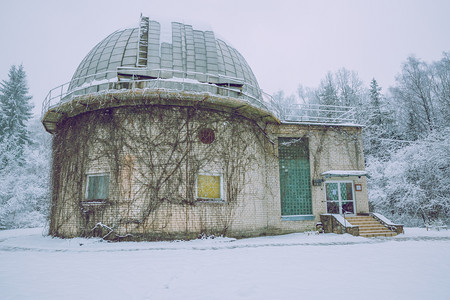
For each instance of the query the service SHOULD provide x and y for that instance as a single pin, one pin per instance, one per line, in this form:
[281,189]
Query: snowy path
[412,266]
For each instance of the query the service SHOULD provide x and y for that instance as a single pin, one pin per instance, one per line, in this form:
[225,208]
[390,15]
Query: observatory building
[164,133]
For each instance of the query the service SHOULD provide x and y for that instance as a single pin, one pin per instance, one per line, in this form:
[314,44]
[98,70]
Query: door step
[370,227]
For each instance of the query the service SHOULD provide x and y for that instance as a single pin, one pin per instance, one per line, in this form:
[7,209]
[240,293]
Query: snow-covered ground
[415,265]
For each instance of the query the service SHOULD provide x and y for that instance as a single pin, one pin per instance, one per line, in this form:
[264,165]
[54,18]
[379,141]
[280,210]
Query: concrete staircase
[370,227]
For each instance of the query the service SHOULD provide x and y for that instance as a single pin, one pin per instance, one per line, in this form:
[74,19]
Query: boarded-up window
[209,187]
[97,187]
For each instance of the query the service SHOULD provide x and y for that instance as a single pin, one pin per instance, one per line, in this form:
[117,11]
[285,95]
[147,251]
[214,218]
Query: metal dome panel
[144,51]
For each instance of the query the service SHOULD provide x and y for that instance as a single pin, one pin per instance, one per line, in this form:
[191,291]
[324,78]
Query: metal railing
[172,80]
[179,81]
[317,113]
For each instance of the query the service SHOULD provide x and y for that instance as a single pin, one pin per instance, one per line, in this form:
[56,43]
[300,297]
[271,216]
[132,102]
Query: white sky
[285,42]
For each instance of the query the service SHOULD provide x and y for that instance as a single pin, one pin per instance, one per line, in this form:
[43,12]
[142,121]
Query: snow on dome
[155,51]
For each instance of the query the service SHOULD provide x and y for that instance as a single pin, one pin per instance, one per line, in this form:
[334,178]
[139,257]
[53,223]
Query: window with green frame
[97,187]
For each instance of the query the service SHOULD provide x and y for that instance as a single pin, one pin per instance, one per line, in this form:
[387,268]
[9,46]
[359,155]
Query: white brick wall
[257,209]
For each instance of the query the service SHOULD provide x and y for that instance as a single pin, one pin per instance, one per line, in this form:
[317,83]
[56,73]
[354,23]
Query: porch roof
[343,173]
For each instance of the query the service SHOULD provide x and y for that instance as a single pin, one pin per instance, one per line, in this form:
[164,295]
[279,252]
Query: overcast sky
[285,42]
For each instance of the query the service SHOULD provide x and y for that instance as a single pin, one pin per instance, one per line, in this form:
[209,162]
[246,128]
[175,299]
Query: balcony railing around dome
[134,78]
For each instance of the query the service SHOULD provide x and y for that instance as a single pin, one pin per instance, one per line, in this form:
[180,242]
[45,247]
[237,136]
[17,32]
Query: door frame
[339,196]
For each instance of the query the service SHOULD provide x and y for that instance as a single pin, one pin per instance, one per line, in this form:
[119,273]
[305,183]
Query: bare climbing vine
[152,154]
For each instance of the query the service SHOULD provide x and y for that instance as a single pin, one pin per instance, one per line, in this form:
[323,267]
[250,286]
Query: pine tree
[380,125]
[375,102]
[15,111]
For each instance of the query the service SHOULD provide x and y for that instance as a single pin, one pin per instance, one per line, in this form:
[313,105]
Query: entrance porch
[367,225]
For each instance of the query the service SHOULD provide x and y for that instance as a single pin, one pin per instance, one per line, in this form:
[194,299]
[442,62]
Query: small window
[209,187]
[97,187]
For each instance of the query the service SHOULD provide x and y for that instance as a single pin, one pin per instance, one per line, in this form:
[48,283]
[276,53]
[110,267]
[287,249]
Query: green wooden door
[295,183]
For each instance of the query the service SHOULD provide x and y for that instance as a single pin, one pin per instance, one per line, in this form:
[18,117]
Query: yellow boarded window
[208,187]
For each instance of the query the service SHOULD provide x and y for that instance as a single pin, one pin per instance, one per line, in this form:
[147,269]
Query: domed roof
[183,54]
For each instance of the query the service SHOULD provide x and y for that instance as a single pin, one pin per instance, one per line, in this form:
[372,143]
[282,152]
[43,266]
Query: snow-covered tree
[375,97]
[342,88]
[24,192]
[413,92]
[379,132]
[24,157]
[441,89]
[350,88]
[306,95]
[414,184]
[422,96]
[15,111]
[286,103]
[328,93]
